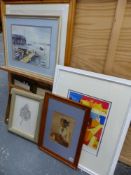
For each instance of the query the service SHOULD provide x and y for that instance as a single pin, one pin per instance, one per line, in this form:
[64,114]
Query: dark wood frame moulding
[43,124]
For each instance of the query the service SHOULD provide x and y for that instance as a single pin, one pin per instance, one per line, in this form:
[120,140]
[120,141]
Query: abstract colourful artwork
[98,118]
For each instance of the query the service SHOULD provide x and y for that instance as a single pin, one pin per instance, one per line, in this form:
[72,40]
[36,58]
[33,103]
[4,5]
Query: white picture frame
[111,89]
[25,114]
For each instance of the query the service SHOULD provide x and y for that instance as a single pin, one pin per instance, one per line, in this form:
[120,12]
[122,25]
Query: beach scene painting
[98,118]
[31,44]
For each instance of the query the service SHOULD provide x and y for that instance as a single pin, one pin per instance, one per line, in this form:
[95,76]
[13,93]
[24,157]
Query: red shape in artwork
[104,104]
[98,134]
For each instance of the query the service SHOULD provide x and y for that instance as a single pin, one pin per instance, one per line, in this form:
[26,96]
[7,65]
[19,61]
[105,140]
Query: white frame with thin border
[113,89]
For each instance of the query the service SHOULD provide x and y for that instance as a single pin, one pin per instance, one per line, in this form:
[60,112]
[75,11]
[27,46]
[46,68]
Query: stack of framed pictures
[37,36]
[107,121]
[96,112]
[57,125]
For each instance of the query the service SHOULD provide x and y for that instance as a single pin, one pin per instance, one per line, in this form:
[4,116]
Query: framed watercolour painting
[31,46]
[25,113]
[62,128]
[37,35]
[110,101]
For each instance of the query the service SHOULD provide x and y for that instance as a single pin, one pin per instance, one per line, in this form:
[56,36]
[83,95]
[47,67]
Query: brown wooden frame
[43,125]
[0,19]
[71,14]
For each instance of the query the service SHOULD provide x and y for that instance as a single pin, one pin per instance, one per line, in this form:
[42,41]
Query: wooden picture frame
[41,91]
[25,114]
[0,24]
[62,129]
[25,83]
[0,20]
[108,92]
[52,18]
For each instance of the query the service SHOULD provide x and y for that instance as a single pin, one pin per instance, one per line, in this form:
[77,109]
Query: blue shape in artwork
[75,96]
[102,119]
[93,115]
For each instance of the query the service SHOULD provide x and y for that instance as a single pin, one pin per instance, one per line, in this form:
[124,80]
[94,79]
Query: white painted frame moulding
[113,89]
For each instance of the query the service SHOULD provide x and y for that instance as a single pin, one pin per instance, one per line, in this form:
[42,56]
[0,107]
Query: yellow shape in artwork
[94,123]
[95,144]
[96,129]
[85,103]
[88,136]
[92,142]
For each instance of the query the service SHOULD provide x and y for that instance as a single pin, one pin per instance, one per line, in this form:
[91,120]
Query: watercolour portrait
[98,118]
[62,129]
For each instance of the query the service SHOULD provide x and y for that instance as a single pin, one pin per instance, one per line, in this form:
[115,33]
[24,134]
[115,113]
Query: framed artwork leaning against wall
[110,101]
[37,35]
[62,128]
[25,114]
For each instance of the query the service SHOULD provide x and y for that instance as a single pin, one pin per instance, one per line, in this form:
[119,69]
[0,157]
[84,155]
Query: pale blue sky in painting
[32,34]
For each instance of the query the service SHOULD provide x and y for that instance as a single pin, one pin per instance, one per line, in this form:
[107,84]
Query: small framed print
[62,128]
[25,113]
